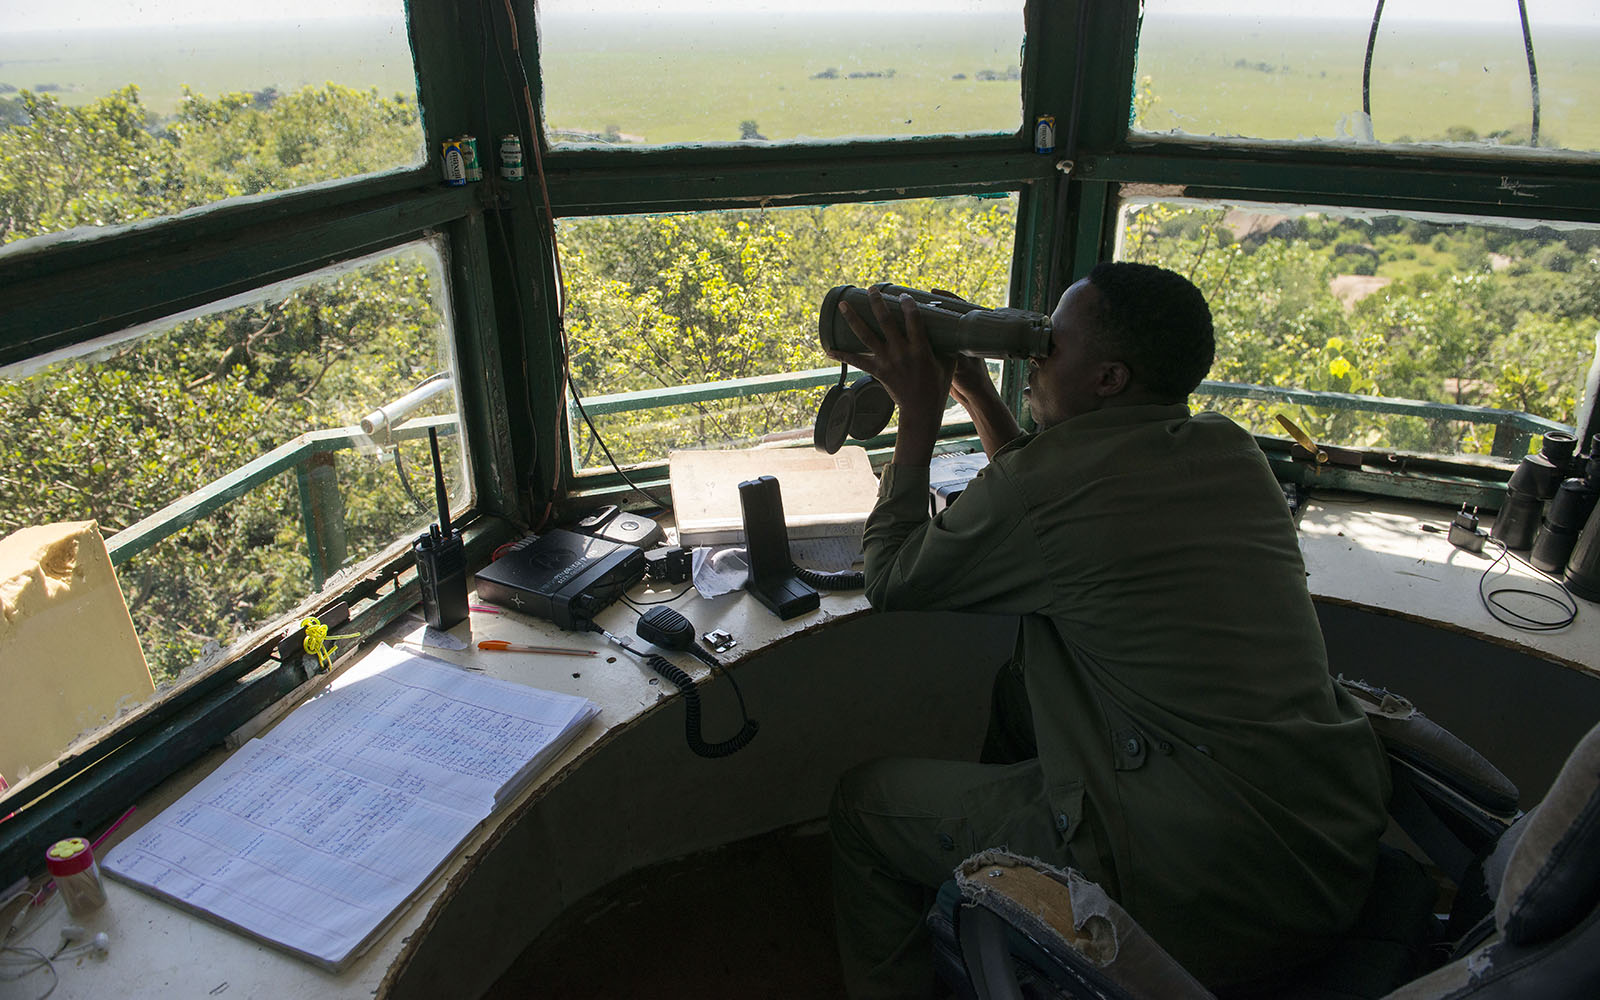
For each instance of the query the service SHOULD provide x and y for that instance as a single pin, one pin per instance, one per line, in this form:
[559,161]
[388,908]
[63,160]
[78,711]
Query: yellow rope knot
[316,642]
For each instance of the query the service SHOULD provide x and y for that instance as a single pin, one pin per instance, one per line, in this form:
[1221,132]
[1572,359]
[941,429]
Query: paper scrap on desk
[722,569]
[312,836]
[718,570]
[427,635]
[830,555]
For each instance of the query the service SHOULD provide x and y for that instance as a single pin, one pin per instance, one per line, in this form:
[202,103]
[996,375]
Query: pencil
[501,646]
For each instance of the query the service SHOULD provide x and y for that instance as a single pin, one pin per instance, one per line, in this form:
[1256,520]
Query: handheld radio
[441,558]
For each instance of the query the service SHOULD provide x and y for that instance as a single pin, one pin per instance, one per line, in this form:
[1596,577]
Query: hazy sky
[66,14]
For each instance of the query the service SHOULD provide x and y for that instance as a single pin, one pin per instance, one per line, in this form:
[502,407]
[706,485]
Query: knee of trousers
[852,789]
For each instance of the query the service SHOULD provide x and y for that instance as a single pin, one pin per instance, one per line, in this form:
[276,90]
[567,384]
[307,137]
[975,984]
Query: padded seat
[1013,928]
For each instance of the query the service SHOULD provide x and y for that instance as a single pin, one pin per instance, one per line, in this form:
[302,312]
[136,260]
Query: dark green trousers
[901,825]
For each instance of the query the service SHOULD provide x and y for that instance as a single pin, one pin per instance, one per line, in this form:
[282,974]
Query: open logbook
[313,836]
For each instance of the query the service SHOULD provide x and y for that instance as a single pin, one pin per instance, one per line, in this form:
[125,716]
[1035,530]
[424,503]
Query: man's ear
[1112,379]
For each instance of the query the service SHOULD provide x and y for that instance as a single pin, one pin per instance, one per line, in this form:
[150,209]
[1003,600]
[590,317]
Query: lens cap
[833,420]
[873,408]
[861,411]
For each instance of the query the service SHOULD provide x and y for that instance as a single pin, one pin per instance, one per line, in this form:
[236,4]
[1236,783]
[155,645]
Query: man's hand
[977,395]
[971,382]
[917,379]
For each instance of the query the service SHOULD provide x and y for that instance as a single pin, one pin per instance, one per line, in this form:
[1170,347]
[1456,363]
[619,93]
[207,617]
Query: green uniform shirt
[1197,757]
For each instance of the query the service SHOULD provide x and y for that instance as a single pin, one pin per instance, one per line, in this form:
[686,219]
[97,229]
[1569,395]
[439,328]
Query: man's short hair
[1157,323]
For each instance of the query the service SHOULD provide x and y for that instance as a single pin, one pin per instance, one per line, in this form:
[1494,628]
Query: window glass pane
[1442,71]
[1390,308]
[659,303]
[113,112]
[645,72]
[277,385]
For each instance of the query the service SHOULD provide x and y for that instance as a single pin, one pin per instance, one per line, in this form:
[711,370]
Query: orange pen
[501,646]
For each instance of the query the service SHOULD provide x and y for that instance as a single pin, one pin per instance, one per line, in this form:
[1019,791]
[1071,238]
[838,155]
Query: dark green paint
[1079,60]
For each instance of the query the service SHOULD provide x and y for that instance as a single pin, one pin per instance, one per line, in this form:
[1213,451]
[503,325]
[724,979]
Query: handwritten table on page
[312,836]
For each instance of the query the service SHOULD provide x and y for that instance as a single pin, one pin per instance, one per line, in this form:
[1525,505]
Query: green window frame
[504,286]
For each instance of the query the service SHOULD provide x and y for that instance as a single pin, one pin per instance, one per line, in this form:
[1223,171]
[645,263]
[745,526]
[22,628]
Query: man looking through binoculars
[1167,724]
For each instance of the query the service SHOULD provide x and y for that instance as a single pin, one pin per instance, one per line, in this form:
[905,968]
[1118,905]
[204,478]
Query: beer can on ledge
[511,157]
[453,161]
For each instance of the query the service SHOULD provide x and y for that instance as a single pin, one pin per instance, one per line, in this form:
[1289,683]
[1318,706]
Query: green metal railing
[321,506]
[1514,432]
[309,455]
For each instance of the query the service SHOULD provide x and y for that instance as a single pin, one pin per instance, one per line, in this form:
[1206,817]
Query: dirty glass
[113,112]
[1442,316]
[643,72]
[291,425]
[1440,71]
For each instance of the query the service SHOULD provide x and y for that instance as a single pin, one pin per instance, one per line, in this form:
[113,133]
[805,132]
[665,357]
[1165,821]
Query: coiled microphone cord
[691,699]
[691,708]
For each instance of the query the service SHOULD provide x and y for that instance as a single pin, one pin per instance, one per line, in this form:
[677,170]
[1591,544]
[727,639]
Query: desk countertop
[155,946]
[1373,555]
[1382,556]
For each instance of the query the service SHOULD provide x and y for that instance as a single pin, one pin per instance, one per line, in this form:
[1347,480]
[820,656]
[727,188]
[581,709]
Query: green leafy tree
[95,165]
[117,435]
[665,301]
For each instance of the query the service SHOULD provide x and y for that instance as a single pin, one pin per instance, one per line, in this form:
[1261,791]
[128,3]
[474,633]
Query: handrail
[185,511]
[1522,425]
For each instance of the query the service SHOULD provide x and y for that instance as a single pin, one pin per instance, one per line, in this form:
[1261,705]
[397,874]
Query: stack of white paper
[312,836]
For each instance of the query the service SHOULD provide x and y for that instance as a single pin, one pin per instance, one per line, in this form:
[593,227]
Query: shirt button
[1131,747]
[1061,822]
[1164,747]
[946,842]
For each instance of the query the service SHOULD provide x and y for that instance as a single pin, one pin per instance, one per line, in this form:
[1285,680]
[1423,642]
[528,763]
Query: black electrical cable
[1527,47]
[1533,70]
[1052,276]
[691,697]
[555,253]
[576,398]
[1366,68]
[841,580]
[405,484]
[636,604]
[691,708]
[399,464]
[1509,616]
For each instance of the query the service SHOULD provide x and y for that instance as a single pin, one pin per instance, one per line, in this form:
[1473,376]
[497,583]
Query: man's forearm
[914,440]
[995,425]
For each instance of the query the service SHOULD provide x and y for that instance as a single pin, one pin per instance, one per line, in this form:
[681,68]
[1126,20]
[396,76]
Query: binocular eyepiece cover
[954,325]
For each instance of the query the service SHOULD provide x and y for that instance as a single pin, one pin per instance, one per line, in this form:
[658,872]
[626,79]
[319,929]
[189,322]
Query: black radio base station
[562,576]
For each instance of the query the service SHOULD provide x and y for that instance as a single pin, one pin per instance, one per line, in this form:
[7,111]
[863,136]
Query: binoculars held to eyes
[862,409]
[954,325]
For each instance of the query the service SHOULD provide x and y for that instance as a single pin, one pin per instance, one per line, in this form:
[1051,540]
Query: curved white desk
[627,793]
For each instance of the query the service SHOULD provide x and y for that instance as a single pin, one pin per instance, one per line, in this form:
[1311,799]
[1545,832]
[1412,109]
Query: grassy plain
[675,78]
[1301,79]
[209,59]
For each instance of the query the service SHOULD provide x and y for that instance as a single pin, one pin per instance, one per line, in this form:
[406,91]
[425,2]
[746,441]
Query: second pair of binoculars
[953,325]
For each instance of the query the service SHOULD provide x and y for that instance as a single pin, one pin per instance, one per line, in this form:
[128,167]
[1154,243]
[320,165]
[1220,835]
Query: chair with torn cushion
[1011,928]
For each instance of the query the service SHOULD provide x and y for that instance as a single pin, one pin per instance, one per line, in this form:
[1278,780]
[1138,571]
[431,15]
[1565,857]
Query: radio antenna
[438,483]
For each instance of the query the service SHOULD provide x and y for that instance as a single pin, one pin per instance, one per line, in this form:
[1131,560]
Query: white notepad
[312,837]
